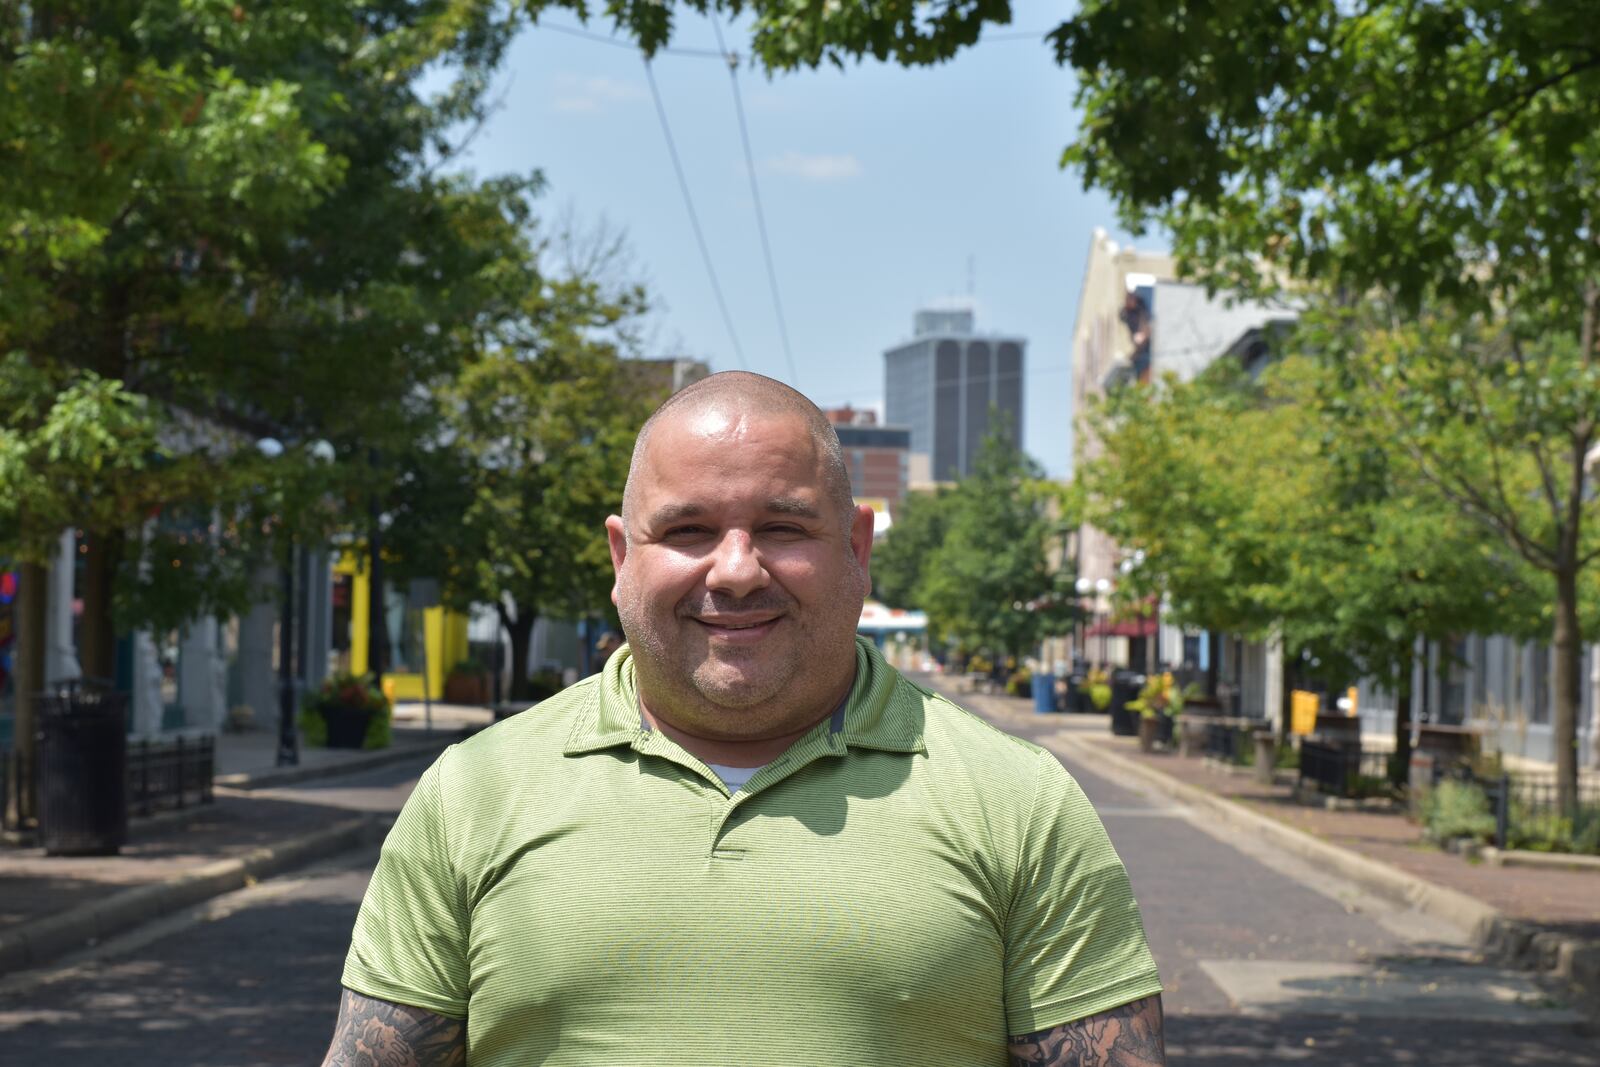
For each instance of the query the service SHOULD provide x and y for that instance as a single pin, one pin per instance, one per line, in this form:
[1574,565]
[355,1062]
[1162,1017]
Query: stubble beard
[685,685]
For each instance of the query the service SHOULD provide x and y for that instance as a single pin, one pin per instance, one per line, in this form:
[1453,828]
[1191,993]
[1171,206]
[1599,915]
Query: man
[749,840]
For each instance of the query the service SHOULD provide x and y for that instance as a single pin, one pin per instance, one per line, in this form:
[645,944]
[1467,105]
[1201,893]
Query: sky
[884,190]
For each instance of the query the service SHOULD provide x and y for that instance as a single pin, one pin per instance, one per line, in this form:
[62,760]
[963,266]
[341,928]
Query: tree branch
[1513,105]
[1547,477]
[1464,494]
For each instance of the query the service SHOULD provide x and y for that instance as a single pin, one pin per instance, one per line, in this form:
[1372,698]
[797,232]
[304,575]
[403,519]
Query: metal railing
[1335,767]
[1229,740]
[170,774]
[1518,801]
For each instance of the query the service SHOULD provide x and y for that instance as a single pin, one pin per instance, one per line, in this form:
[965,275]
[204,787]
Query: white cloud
[814,168]
[588,95]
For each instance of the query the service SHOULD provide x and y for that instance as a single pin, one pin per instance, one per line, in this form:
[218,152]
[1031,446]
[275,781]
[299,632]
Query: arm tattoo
[1129,1036]
[376,1033]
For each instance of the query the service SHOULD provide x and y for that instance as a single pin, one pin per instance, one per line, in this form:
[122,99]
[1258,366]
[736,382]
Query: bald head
[740,393]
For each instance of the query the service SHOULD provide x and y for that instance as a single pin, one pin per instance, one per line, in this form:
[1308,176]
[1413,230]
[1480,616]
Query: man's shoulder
[951,730]
[518,743]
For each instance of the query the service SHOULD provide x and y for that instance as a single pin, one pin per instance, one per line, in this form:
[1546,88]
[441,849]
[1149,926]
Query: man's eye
[785,530]
[681,532]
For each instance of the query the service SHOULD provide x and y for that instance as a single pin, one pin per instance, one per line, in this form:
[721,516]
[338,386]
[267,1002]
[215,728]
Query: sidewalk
[248,760]
[53,904]
[1560,905]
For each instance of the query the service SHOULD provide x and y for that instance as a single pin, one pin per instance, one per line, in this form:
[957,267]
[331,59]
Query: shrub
[1099,686]
[1020,684]
[543,684]
[1545,831]
[1457,809]
[471,666]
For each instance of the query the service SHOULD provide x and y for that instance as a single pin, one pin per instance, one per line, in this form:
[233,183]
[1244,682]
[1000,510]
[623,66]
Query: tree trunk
[1568,643]
[1400,766]
[97,639]
[520,630]
[21,802]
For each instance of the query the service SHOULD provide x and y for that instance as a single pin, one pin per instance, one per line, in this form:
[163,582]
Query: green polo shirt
[905,885]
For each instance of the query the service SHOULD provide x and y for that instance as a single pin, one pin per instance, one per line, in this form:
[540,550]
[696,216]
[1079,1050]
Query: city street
[1265,959]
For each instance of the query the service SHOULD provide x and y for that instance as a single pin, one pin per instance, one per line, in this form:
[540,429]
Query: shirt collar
[883,710]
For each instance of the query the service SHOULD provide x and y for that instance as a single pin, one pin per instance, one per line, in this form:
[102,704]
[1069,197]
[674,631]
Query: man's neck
[743,752]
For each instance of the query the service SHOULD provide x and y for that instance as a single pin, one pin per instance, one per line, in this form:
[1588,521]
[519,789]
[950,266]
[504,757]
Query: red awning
[1145,626]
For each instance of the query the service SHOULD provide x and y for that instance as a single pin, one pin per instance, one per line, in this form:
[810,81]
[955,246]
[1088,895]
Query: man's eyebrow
[788,505]
[667,514]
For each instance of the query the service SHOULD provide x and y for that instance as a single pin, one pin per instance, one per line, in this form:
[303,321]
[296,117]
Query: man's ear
[617,539]
[861,525]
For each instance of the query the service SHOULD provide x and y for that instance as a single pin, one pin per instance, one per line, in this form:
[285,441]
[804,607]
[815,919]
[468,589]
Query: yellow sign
[1303,708]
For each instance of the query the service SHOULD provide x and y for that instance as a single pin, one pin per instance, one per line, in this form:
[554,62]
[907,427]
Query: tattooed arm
[376,1033]
[1129,1036]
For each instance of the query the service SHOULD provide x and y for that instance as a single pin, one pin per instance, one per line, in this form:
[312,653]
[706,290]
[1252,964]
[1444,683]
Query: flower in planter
[1099,685]
[1161,695]
[342,693]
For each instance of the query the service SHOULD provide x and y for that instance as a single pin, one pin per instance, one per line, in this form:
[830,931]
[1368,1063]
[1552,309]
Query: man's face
[738,584]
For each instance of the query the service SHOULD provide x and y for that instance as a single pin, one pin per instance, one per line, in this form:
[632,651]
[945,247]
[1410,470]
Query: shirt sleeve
[1075,944]
[410,940]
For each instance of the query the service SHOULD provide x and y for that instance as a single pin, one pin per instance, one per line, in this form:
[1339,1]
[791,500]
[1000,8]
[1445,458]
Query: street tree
[1273,509]
[221,223]
[993,558]
[900,560]
[506,504]
[1439,159]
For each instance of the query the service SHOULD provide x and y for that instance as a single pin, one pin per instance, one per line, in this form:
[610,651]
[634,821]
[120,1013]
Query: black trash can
[83,771]
[1078,693]
[1125,686]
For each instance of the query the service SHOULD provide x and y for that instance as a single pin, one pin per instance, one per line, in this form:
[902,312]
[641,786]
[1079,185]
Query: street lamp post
[1102,589]
[1084,587]
[288,662]
[288,736]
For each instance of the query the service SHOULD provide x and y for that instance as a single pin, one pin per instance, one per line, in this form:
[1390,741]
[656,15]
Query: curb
[364,762]
[1469,913]
[1553,861]
[55,935]
[1512,941]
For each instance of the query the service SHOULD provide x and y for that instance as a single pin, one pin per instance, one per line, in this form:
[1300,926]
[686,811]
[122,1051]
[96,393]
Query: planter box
[347,727]
[466,689]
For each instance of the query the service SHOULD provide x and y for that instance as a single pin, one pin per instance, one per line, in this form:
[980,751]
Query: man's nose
[735,567]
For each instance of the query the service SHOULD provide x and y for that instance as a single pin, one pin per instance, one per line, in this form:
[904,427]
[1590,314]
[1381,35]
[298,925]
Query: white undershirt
[734,778]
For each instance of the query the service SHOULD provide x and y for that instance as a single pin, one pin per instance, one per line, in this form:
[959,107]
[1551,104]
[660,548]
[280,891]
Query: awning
[1145,626]
[875,618]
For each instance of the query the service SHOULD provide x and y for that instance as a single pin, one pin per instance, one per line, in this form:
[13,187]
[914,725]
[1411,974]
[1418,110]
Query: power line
[755,194]
[694,219]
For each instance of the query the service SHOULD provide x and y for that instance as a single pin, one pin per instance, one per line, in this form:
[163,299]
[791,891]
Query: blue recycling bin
[1044,693]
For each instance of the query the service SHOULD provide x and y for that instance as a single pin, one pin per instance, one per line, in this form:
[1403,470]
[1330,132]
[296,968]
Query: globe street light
[288,736]
[1102,588]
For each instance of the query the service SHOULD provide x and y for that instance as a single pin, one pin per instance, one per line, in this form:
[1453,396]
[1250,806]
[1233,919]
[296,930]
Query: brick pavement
[34,885]
[1564,901]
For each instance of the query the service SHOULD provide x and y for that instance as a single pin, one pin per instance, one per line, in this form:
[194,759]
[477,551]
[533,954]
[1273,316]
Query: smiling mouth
[737,629]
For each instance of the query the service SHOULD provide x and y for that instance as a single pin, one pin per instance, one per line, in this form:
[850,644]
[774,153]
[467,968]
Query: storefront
[423,642]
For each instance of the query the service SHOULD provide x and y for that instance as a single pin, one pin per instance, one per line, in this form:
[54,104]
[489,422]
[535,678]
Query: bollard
[1266,756]
[1419,780]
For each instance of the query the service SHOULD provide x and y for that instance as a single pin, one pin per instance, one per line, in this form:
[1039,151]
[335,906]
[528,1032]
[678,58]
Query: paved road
[1260,969]
[248,980]
[1267,960]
